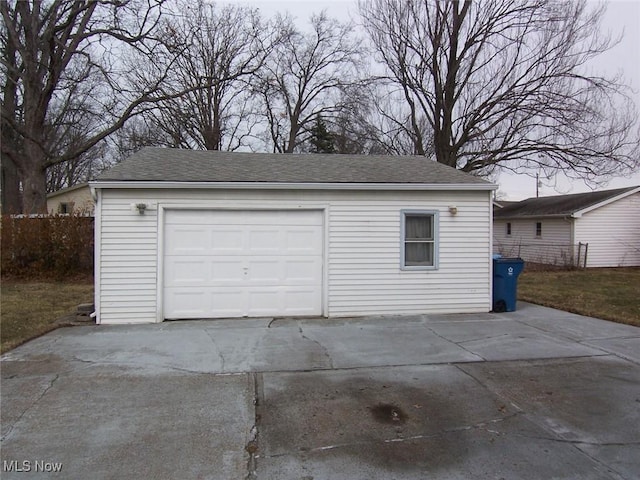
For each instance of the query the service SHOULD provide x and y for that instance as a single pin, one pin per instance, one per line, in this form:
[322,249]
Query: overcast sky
[622,17]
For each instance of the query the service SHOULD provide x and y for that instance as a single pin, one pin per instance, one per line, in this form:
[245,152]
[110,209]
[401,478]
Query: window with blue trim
[419,240]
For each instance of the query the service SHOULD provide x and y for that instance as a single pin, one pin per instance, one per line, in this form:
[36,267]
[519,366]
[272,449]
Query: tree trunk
[34,179]
[11,201]
[34,191]
[293,135]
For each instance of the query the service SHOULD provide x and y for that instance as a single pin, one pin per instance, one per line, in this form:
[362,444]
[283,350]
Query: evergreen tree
[321,139]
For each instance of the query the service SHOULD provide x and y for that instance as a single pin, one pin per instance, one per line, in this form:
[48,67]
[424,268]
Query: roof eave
[533,216]
[581,212]
[72,188]
[291,186]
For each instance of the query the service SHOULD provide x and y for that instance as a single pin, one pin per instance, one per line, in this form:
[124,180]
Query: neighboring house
[599,229]
[71,200]
[199,234]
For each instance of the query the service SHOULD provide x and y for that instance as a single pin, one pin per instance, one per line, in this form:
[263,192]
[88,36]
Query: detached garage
[198,234]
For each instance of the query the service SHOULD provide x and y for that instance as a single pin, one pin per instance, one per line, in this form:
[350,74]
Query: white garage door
[242,263]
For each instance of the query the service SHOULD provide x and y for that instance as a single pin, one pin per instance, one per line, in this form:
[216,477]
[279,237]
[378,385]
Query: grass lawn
[29,309]
[608,293]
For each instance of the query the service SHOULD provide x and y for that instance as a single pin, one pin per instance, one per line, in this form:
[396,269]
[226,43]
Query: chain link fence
[556,254]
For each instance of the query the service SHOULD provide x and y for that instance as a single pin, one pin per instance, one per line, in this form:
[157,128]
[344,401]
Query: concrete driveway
[532,394]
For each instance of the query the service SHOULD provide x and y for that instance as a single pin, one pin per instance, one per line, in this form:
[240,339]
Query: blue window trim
[436,240]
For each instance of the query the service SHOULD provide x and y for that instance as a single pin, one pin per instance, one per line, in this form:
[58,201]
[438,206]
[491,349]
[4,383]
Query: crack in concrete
[569,337]
[222,361]
[322,347]
[578,442]
[252,443]
[585,341]
[33,404]
[135,365]
[459,345]
[480,338]
[476,426]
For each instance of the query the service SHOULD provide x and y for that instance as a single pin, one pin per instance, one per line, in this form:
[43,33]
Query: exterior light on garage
[453,210]
[141,207]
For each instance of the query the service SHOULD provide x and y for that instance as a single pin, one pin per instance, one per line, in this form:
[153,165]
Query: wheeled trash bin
[505,283]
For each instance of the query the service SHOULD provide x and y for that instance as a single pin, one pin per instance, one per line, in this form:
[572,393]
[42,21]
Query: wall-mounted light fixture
[141,207]
[453,210]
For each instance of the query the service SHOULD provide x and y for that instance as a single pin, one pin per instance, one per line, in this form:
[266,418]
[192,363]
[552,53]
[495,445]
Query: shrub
[56,246]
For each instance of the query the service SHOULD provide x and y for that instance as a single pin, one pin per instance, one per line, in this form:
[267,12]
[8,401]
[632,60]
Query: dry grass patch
[607,293]
[30,309]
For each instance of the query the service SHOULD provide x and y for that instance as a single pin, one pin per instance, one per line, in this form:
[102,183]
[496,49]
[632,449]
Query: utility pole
[537,184]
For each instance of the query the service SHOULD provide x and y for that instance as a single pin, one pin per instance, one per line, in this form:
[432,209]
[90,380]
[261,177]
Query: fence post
[586,250]
[579,252]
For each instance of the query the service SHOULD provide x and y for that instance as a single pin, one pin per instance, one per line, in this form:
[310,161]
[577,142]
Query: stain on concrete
[387,413]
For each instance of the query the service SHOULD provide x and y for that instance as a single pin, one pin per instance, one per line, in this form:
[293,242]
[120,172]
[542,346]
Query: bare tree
[77,170]
[71,120]
[139,132]
[218,50]
[61,65]
[305,77]
[505,83]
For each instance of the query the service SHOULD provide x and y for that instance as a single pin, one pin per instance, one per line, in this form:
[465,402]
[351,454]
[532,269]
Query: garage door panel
[184,271]
[225,271]
[183,302]
[301,301]
[185,217]
[264,240]
[186,241]
[226,302]
[308,241]
[299,271]
[261,271]
[263,301]
[226,241]
[242,263]
[282,301]
[186,303]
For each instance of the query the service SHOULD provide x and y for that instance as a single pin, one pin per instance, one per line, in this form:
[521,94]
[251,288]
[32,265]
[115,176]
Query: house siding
[80,198]
[554,246]
[362,242]
[612,232]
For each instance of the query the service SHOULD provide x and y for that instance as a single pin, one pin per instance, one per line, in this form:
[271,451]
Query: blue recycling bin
[505,283]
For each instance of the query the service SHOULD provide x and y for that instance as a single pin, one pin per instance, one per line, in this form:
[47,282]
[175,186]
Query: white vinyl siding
[612,232]
[553,246]
[362,274]
[127,263]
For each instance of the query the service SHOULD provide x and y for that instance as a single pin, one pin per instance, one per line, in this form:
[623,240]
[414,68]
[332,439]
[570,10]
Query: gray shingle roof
[557,205]
[175,165]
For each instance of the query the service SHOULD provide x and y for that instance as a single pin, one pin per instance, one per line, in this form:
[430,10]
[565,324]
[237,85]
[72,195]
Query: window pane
[418,227]
[418,254]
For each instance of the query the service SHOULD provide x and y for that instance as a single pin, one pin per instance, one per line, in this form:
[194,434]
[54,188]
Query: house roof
[155,165]
[561,205]
[72,188]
